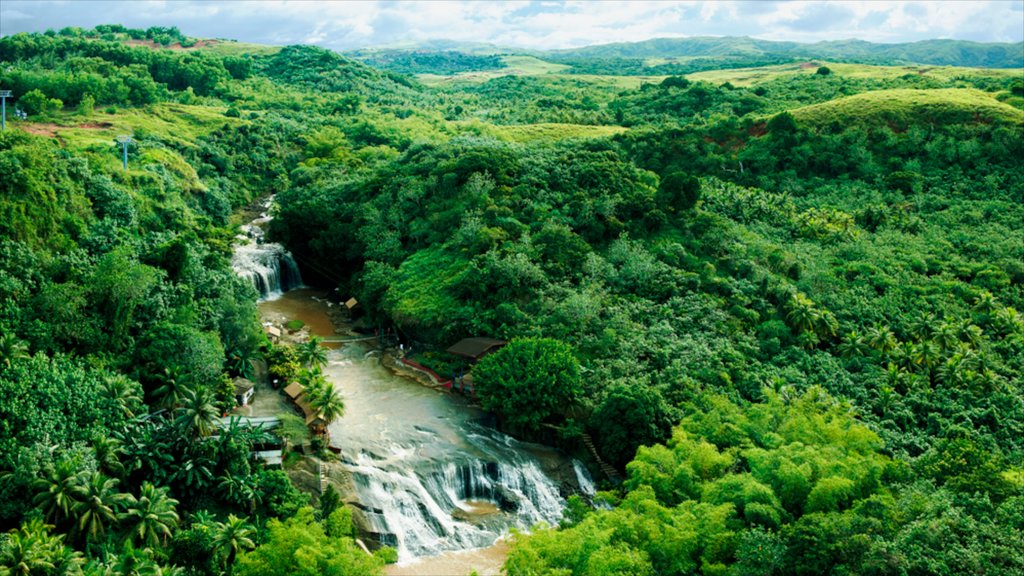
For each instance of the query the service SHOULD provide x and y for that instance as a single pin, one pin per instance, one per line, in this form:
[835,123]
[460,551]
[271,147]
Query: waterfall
[429,509]
[429,473]
[269,267]
[584,480]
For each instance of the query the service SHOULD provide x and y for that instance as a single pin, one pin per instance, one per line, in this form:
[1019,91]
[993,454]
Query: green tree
[631,415]
[300,546]
[325,400]
[529,381]
[197,413]
[32,550]
[59,489]
[312,354]
[12,349]
[231,537]
[150,518]
[97,507]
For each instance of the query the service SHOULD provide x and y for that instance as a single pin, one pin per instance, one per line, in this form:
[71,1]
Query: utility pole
[125,141]
[4,95]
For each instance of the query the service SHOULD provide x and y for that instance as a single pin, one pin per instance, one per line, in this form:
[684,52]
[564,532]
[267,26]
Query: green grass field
[172,122]
[535,132]
[902,107]
[754,76]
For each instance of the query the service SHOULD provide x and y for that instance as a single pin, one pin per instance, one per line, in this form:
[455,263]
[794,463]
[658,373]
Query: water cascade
[430,474]
[269,267]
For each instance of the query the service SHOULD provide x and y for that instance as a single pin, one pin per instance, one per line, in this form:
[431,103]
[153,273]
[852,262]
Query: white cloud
[545,24]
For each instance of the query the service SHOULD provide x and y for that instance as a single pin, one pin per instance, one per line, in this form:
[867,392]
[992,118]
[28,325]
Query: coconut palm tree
[150,517]
[853,345]
[312,354]
[881,339]
[173,390]
[27,551]
[132,561]
[108,455]
[326,400]
[801,313]
[240,489]
[124,393]
[11,349]
[232,536]
[197,413]
[59,490]
[97,506]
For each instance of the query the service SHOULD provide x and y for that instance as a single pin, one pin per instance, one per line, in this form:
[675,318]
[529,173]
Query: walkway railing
[430,373]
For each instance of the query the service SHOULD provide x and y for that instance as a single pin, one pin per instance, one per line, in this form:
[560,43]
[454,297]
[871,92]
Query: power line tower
[4,95]
[125,140]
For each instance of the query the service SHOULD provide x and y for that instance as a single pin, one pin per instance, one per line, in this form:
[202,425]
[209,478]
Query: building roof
[265,422]
[475,348]
[274,331]
[351,303]
[294,390]
[243,385]
[270,457]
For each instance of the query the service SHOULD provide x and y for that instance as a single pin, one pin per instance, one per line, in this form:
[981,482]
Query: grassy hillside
[761,74]
[905,108]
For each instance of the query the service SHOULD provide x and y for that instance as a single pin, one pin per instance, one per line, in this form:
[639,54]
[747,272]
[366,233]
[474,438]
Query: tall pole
[4,94]
[125,141]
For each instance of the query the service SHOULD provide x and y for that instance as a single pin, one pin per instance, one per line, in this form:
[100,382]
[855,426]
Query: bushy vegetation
[427,62]
[788,312]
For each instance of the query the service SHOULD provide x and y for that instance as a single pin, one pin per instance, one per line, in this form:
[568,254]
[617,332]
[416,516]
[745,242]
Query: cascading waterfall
[269,267]
[583,478]
[434,507]
[430,474]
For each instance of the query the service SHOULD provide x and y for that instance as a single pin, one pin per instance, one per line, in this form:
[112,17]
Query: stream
[429,474]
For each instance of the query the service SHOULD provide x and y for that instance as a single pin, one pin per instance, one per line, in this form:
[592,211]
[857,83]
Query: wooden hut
[475,348]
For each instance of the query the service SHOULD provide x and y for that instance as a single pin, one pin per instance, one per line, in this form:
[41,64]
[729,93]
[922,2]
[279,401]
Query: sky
[343,25]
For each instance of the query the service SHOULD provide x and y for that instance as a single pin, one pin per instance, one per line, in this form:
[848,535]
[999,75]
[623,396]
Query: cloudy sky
[536,24]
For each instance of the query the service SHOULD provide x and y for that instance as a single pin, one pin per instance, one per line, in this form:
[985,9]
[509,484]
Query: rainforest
[759,307]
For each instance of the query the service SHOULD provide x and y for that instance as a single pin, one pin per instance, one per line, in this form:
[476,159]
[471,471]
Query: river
[428,473]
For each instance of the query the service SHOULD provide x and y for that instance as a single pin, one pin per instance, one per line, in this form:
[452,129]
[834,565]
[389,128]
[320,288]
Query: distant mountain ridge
[931,52]
[935,52]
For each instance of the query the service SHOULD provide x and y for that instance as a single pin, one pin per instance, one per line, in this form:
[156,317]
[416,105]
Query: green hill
[906,107]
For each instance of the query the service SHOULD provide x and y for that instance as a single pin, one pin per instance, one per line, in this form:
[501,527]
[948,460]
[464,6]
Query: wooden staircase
[606,468]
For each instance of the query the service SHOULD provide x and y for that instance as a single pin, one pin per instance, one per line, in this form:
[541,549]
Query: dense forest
[786,307]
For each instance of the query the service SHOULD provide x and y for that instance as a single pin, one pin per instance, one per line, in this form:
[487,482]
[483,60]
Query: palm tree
[173,390]
[97,505]
[232,536]
[11,349]
[881,339]
[132,561]
[108,455]
[149,518]
[802,315]
[59,490]
[853,345]
[124,393]
[312,354]
[947,336]
[985,303]
[197,413]
[240,489]
[28,551]
[326,401]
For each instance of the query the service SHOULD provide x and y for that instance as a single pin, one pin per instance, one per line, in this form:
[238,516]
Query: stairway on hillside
[606,468]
